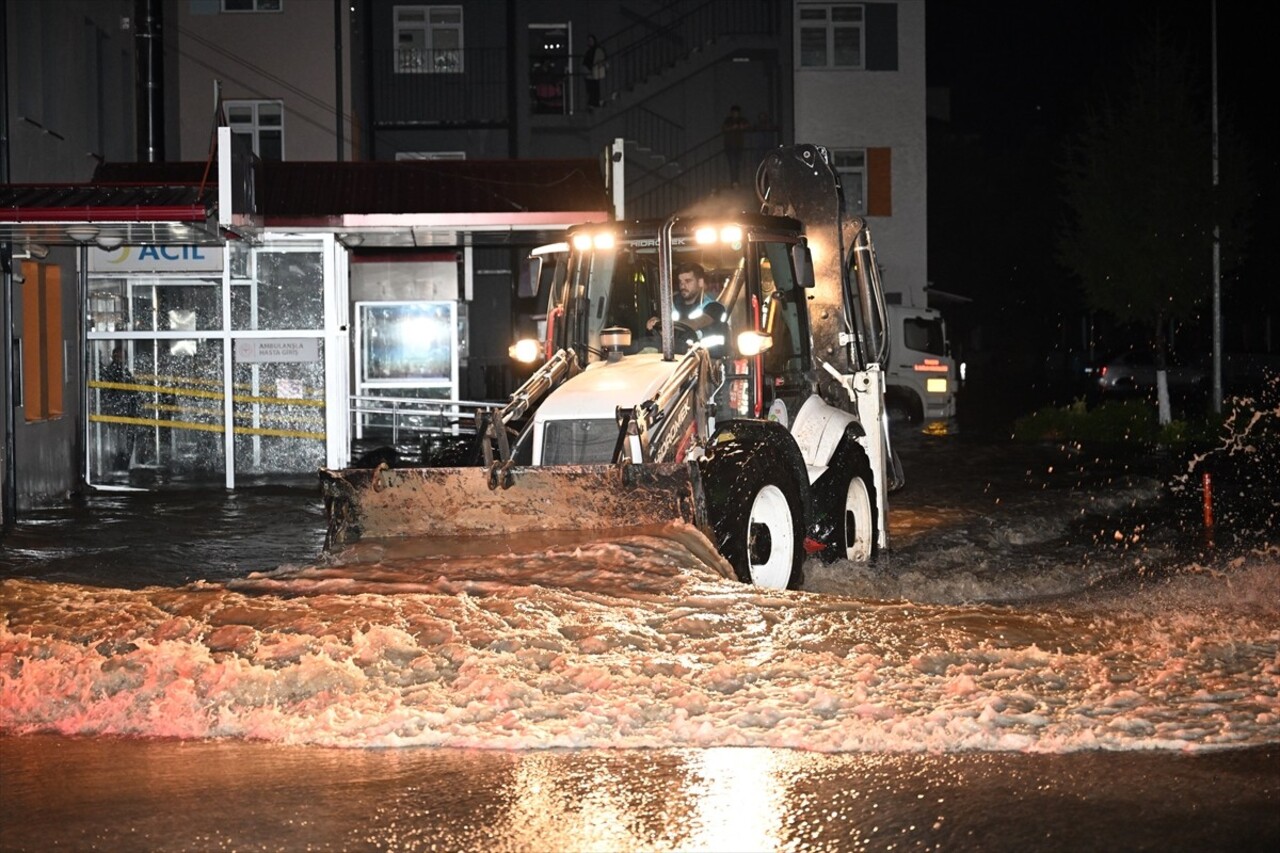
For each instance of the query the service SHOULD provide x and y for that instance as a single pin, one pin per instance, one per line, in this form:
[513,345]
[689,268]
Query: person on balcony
[594,64]
[734,130]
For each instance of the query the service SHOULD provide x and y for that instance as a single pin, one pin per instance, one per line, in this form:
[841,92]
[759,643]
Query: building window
[830,35]
[252,5]
[866,175]
[851,164]
[261,123]
[428,39]
[42,366]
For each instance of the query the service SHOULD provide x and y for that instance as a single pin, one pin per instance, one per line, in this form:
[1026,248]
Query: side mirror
[535,277]
[803,260]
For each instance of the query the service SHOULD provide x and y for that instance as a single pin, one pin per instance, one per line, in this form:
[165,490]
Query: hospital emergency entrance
[215,363]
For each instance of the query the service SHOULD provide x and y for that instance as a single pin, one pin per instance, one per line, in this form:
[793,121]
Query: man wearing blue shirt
[694,307]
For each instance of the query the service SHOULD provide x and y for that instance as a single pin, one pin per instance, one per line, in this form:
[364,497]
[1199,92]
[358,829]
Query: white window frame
[831,28]
[427,57]
[255,7]
[255,127]
[851,165]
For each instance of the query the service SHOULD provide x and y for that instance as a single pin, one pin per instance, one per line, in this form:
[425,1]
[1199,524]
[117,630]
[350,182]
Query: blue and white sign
[159,259]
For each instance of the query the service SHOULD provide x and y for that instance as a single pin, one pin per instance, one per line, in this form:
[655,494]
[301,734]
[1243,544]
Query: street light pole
[1217,237]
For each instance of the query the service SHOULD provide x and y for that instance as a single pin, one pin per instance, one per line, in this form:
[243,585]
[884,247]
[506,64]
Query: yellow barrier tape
[239,415]
[206,395]
[278,433]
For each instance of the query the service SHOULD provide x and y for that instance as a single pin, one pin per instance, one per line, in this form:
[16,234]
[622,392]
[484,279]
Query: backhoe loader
[769,436]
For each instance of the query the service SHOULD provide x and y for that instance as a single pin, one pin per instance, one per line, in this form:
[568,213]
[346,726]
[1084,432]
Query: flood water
[1054,655]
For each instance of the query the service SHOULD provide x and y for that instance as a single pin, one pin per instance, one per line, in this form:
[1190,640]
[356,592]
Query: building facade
[198,305]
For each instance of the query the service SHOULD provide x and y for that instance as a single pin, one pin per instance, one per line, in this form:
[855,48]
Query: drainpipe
[338,125]
[149,81]
[9,497]
[513,76]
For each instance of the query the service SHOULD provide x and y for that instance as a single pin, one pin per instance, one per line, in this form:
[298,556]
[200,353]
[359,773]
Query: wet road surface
[121,794]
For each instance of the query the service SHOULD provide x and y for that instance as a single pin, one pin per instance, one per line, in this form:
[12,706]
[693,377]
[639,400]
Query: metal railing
[403,420]
[417,87]
[670,35]
[701,171]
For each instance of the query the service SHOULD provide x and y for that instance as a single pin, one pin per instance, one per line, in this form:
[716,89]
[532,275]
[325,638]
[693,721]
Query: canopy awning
[371,204]
[108,214]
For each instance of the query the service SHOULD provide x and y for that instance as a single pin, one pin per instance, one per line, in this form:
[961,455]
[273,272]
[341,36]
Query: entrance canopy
[371,205]
[108,214]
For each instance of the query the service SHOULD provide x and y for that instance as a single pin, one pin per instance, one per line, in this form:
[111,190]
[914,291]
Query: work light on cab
[585,241]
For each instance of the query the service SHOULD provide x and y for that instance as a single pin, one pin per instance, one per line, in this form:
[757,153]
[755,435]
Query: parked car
[1134,372]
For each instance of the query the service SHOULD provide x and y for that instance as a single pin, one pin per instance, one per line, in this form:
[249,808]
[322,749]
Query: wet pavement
[128,794]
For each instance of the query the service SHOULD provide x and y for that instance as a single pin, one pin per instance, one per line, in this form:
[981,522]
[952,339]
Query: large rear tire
[857,525]
[759,524]
[846,519]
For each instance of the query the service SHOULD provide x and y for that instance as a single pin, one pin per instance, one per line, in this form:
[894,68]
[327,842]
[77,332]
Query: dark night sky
[1020,73]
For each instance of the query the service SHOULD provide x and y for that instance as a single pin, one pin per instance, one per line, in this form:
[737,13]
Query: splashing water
[637,643]
[1036,600]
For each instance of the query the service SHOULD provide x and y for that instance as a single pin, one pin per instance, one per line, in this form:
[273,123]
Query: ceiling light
[82,233]
[110,241]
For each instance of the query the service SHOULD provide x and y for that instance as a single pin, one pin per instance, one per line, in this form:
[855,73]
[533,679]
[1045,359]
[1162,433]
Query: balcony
[415,87]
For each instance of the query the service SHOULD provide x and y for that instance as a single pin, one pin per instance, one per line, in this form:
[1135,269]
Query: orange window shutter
[53,343]
[33,399]
[42,341]
[879,182]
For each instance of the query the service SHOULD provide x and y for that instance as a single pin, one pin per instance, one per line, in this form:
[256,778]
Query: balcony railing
[642,51]
[415,87]
[698,172]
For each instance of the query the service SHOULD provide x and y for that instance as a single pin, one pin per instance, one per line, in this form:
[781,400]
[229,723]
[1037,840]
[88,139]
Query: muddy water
[1042,608]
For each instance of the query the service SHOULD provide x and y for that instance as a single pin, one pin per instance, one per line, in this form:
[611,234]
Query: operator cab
[757,269]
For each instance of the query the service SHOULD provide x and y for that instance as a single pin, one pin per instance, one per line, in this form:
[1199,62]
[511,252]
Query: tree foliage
[1139,192]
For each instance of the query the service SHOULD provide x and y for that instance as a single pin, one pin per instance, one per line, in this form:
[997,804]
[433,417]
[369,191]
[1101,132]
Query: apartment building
[399,161]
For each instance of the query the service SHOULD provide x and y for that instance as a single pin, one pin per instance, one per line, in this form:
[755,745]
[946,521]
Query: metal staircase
[669,165]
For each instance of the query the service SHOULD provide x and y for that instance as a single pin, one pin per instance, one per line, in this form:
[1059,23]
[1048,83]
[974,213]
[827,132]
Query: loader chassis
[742,429]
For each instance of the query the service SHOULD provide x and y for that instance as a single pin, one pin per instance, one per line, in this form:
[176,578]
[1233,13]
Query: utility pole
[1217,236]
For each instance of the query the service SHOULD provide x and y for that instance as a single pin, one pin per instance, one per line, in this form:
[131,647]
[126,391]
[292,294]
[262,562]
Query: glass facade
[168,371]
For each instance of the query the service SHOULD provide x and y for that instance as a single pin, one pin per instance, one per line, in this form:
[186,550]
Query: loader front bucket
[363,503]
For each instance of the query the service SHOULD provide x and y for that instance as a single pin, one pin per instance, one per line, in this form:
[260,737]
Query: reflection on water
[132,794]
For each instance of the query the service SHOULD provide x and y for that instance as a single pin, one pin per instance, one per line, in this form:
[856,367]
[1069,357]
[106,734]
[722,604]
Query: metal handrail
[435,417]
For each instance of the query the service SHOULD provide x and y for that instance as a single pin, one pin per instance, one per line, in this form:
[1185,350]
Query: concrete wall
[874,109]
[289,56]
[70,85]
[69,77]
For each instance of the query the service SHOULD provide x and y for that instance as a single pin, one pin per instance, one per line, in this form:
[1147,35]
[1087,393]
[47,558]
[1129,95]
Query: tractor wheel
[857,525]
[759,525]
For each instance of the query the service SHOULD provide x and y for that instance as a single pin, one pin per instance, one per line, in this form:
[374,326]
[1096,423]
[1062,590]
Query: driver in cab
[694,308]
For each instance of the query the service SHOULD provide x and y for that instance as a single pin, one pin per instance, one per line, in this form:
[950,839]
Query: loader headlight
[525,350]
[753,343]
